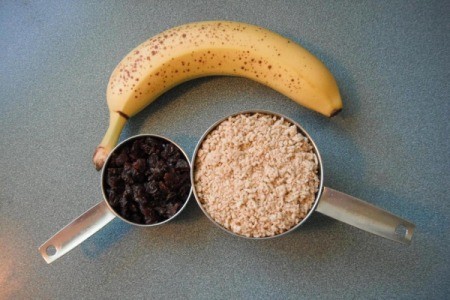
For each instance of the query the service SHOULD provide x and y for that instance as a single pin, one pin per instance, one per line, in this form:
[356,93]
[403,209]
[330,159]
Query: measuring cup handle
[365,216]
[76,232]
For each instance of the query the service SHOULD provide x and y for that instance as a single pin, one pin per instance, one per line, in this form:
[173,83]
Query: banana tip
[99,157]
[335,112]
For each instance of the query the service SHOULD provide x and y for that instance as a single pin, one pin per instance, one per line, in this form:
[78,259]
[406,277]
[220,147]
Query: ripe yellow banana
[214,48]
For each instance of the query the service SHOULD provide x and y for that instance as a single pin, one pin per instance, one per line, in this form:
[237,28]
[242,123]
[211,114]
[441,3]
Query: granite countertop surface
[389,146]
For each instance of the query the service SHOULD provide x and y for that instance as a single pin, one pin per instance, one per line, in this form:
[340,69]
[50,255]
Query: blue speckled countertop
[390,146]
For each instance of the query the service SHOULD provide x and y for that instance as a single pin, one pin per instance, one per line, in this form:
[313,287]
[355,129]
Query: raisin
[172,209]
[112,160]
[138,190]
[182,164]
[139,194]
[151,217]
[126,173]
[140,165]
[168,150]
[160,210]
[155,174]
[169,177]
[113,198]
[161,165]
[137,176]
[163,188]
[121,159]
[151,220]
[184,191]
[136,218]
[171,196]
[153,160]
[150,147]
[113,181]
[133,208]
[151,187]
[123,202]
[128,192]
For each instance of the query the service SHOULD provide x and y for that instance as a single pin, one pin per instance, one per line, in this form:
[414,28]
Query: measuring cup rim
[104,170]
[267,112]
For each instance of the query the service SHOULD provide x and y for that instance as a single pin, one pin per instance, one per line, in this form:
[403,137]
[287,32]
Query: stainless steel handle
[365,216]
[76,232]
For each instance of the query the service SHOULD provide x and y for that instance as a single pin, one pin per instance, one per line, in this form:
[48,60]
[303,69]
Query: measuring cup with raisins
[145,182]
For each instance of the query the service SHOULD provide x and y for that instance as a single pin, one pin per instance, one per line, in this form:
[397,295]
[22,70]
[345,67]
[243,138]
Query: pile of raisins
[147,180]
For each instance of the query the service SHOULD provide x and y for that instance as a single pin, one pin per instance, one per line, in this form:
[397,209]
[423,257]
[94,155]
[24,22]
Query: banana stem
[116,124]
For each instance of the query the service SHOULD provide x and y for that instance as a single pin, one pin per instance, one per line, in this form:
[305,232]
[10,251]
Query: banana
[214,48]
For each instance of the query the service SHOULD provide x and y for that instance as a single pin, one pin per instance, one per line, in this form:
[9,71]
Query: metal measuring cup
[330,202]
[97,216]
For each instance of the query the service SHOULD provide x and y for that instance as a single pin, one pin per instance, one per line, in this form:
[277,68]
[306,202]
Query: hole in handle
[50,250]
[401,230]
